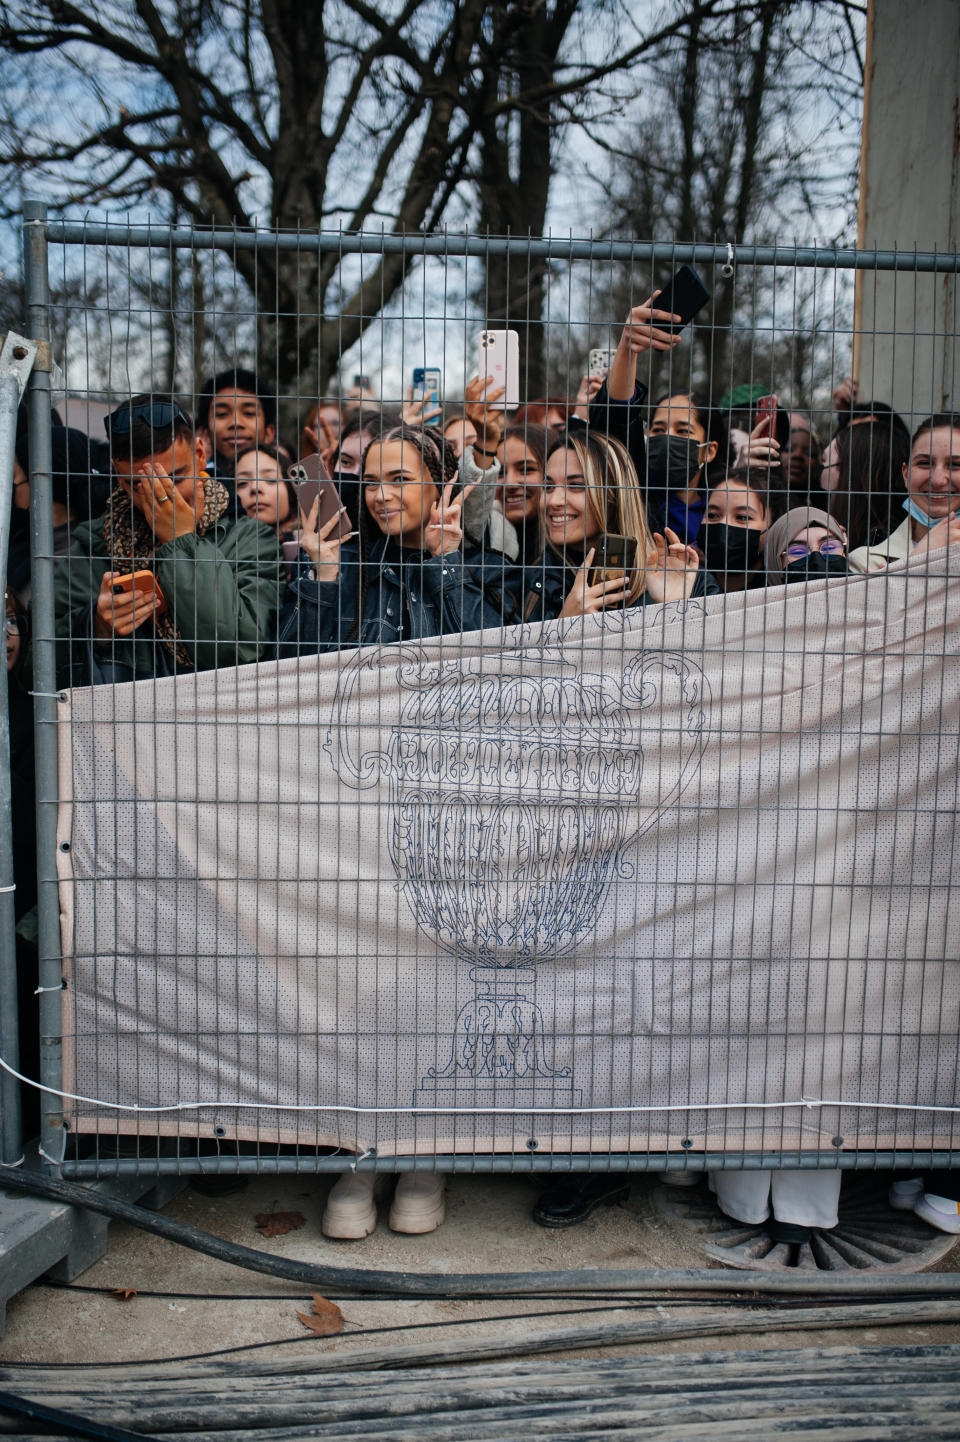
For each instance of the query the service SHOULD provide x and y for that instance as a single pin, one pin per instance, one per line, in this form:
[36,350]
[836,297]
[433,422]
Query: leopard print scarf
[131,545]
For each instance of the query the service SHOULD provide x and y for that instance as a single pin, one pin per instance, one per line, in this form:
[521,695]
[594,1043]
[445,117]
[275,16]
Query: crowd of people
[186,542]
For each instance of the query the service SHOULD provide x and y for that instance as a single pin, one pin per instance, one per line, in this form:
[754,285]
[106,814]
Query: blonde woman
[592,502]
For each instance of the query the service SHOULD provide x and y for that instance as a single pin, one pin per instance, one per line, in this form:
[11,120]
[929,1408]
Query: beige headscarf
[788,527]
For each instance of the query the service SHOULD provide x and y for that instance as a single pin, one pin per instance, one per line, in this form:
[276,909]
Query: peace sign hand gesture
[444,529]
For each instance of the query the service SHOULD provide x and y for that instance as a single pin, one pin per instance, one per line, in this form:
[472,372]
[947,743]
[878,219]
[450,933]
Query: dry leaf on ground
[325,1318]
[277,1224]
[123,1294]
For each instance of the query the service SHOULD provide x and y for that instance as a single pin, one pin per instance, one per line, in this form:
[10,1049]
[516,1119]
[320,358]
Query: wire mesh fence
[491,741]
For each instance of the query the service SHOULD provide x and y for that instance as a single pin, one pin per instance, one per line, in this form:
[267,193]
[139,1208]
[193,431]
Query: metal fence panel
[666,886]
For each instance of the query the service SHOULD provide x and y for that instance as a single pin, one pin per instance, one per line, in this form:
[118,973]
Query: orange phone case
[142,581]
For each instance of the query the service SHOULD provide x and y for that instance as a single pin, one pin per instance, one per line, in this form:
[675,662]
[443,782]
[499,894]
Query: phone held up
[426,388]
[498,360]
[309,475]
[598,362]
[684,295]
[768,408]
[614,558]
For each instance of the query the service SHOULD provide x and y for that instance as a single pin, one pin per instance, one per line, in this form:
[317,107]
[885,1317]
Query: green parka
[223,590]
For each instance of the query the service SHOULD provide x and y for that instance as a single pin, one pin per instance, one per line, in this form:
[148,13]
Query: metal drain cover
[870,1236]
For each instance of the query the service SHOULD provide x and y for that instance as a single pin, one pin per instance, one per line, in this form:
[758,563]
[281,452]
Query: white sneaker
[351,1210]
[941,1212]
[418,1204]
[903,1196]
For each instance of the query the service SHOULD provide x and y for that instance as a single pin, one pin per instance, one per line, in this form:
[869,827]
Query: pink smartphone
[498,360]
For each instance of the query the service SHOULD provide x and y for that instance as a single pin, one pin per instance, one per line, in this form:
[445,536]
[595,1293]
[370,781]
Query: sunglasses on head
[158,415]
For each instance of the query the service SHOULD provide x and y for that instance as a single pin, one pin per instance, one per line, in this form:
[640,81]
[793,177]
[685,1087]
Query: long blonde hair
[612,495]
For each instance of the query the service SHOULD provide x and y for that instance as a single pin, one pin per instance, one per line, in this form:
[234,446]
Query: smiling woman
[932,480]
[400,574]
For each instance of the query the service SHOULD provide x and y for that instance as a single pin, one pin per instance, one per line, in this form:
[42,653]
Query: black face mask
[672,461]
[815,567]
[728,548]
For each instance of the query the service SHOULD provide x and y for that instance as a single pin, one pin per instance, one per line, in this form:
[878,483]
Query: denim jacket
[417,596]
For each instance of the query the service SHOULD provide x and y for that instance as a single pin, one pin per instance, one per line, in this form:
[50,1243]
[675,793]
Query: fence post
[37,285]
[15,360]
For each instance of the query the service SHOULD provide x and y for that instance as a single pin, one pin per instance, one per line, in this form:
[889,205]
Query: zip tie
[40,989]
[5,889]
[54,1161]
[370,1152]
[11,1165]
[727,269]
[49,695]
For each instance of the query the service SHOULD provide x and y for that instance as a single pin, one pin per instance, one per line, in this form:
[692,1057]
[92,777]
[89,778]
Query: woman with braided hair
[168,579]
[400,574]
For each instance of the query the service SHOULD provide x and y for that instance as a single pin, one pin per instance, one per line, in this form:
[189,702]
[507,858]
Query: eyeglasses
[156,414]
[14,626]
[832,546]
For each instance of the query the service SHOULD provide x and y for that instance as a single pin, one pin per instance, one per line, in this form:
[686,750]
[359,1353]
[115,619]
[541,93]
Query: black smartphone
[684,295]
[615,556]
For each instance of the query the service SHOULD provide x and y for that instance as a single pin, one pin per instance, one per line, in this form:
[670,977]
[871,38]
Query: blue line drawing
[513,797]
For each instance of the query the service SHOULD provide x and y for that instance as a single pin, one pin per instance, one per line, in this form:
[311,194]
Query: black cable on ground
[357,1280]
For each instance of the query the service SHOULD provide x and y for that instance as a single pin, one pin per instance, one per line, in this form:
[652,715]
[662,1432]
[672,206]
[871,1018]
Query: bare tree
[312,116]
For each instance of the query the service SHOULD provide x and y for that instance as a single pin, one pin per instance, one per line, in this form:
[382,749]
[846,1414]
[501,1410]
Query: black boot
[571,1201]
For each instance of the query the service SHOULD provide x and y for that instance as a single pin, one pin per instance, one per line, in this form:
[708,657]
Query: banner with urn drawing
[684,877]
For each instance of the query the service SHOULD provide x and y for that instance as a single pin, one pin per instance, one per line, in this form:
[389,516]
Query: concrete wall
[906,347]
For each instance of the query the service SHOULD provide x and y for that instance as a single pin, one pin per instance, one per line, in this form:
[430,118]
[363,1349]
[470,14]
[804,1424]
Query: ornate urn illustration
[512,797]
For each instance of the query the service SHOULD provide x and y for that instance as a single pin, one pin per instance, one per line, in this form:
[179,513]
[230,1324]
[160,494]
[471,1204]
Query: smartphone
[779,429]
[600,360]
[684,295]
[144,583]
[615,556]
[426,387]
[498,360]
[309,475]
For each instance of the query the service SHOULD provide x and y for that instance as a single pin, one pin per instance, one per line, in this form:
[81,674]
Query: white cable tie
[54,1161]
[11,1165]
[41,989]
[361,1158]
[5,889]
[49,695]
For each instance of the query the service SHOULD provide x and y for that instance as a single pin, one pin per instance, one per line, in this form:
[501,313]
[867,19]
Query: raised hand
[479,400]
[588,389]
[584,599]
[761,448]
[944,533]
[845,394]
[154,494]
[444,529]
[671,567]
[419,413]
[322,545]
[640,333]
[121,614]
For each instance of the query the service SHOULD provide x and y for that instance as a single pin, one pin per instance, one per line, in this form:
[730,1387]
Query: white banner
[685,876]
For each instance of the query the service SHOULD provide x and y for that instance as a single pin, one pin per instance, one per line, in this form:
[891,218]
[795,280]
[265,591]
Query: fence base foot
[43,1238]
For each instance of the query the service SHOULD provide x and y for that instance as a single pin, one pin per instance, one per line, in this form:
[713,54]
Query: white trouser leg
[742,1195]
[808,1199]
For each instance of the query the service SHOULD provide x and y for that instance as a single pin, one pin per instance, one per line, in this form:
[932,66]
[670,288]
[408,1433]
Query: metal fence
[508,887]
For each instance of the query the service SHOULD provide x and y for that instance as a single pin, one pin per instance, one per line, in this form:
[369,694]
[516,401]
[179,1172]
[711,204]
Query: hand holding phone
[309,475]
[141,585]
[684,295]
[498,362]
